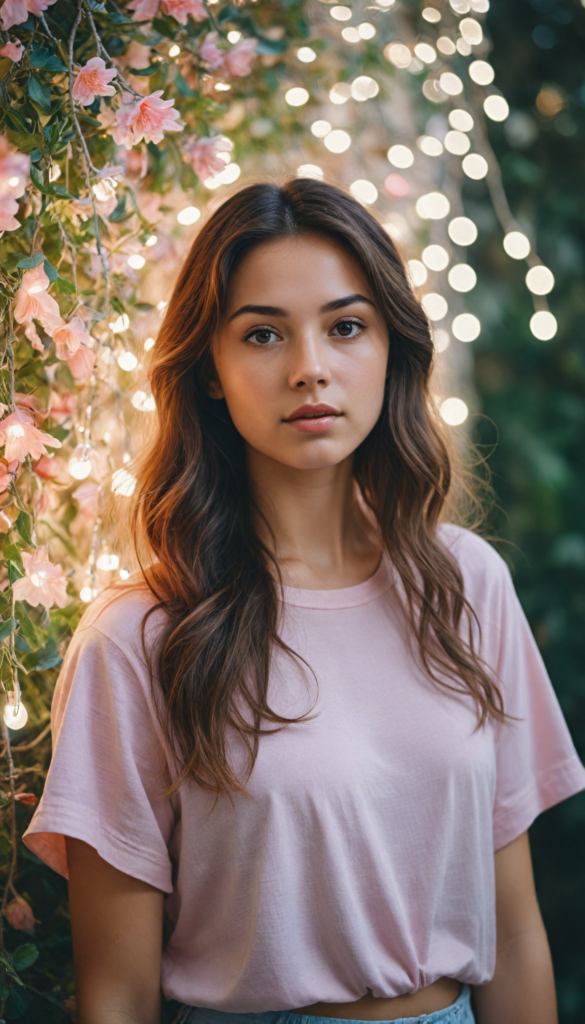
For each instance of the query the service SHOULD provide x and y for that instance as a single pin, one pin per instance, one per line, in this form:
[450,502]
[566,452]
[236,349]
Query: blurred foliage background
[533,398]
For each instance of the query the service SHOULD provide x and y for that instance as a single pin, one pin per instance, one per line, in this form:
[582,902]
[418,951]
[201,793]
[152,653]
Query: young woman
[296,757]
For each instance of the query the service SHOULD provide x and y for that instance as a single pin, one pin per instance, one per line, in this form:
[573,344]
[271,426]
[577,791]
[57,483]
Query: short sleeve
[537,765]
[107,777]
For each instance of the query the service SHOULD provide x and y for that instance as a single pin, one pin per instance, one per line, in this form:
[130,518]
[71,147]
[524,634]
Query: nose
[309,365]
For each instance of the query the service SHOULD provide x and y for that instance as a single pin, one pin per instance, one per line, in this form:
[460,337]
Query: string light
[431,14]
[441,339]
[425,53]
[433,206]
[462,231]
[367,30]
[148,344]
[87,594]
[123,483]
[481,72]
[188,215]
[450,83]
[108,562]
[15,715]
[364,88]
[80,463]
[435,306]
[429,145]
[454,411]
[517,245]
[127,361]
[543,325]
[136,261]
[337,141]
[435,257]
[340,13]
[474,166]
[297,96]
[340,92]
[351,35]
[400,156]
[462,277]
[151,240]
[310,171]
[364,191]
[175,50]
[231,174]
[446,46]
[234,37]
[398,54]
[456,142]
[416,273]
[121,323]
[471,31]
[496,108]
[320,129]
[466,327]
[143,402]
[540,280]
[461,120]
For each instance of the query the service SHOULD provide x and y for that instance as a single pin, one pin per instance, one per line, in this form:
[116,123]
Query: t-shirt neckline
[345,597]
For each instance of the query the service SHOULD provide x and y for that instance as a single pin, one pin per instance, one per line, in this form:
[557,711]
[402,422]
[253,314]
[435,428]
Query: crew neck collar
[345,597]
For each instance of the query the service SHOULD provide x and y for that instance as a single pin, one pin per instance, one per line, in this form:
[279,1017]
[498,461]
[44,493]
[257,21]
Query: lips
[309,412]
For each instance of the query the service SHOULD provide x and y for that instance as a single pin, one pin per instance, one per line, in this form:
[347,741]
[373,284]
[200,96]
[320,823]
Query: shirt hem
[557,785]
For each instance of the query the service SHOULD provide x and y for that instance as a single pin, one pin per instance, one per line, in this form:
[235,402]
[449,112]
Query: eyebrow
[329,307]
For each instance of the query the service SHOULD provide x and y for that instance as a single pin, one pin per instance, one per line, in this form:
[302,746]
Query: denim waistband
[459,1012]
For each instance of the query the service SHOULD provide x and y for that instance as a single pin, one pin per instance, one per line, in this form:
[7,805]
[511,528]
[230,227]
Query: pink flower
[32,334]
[180,9]
[93,80]
[34,303]
[87,495]
[144,10]
[82,363]
[19,915]
[68,338]
[48,467]
[210,52]
[22,438]
[12,50]
[146,119]
[203,155]
[240,58]
[14,12]
[14,168]
[7,473]
[60,408]
[44,583]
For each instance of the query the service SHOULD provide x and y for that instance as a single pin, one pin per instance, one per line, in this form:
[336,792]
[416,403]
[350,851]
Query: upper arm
[117,923]
[517,909]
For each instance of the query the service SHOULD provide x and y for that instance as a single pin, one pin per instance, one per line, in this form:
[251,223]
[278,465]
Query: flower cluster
[14,170]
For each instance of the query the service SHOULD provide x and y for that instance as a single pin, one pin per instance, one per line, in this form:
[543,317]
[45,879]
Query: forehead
[304,267]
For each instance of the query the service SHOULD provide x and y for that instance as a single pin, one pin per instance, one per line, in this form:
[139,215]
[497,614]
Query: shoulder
[117,615]
[484,570]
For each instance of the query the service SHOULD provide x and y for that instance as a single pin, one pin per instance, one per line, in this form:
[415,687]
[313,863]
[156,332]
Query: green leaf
[40,57]
[39,94]
[23,525]
[26,142]
[24,956]
[5,844]
[142,72]
[48,189]
[46,657]
[29,631]
[7,627]
[31,261]
[7,965]
[64,286]
[14,572]
[120,210]
[17,1003]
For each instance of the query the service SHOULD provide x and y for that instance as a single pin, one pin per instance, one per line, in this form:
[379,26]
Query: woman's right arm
[117,924]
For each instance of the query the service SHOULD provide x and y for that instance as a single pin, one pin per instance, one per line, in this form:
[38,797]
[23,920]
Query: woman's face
[302,353]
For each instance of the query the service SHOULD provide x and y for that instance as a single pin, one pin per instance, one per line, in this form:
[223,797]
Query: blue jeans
[460,1012]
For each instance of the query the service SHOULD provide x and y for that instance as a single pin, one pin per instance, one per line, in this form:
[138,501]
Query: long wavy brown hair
[194,514]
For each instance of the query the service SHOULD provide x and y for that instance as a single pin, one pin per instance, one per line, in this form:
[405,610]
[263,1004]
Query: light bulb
[466,327]
[450,83]
[441,339]
[401,156]
[80,462]
[188,215]
[87,594]
[143,402]
[429,145]
[543,325]
[425,53]
[456,142]
[454,411]
[340,13]
[366,30]
[461,120]
[120,324]
[108,562]
[516,245]
[364,191]
[471,31]
[431,14]
[151,240]
[416,272]
[462,231]
[496,108]
[320,129]
[481,72]
[435,306]
[305,54]
[462,277]
[174,50]
[540,280]
[18,720]
[474,166]
[398,54]
[296,97]
[127,361]
[310,171]
[433,206]
[364,88]
[234,36]
[123,483]
[148,344]
[337,141]
[435,257]
[136,261]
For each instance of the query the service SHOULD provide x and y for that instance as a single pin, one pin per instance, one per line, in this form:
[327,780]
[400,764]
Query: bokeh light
[462,231]
[466,327]
[454,411]
[517,245]
[540,280]
[543,325]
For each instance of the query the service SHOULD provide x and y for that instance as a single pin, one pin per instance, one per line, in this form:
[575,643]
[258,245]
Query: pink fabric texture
[364,857]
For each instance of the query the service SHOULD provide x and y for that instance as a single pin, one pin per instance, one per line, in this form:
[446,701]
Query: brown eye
[348,328]
[261,336]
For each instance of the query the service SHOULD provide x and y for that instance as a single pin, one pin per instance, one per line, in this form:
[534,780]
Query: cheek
[250,390]
[362,376]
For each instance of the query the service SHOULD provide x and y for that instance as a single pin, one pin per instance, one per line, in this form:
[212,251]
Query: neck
[321,537]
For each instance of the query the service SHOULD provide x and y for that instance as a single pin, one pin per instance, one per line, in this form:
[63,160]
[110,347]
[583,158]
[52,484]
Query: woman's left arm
[522,990]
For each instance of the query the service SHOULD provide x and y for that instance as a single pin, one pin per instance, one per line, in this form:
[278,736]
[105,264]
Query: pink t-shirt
[364,859]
